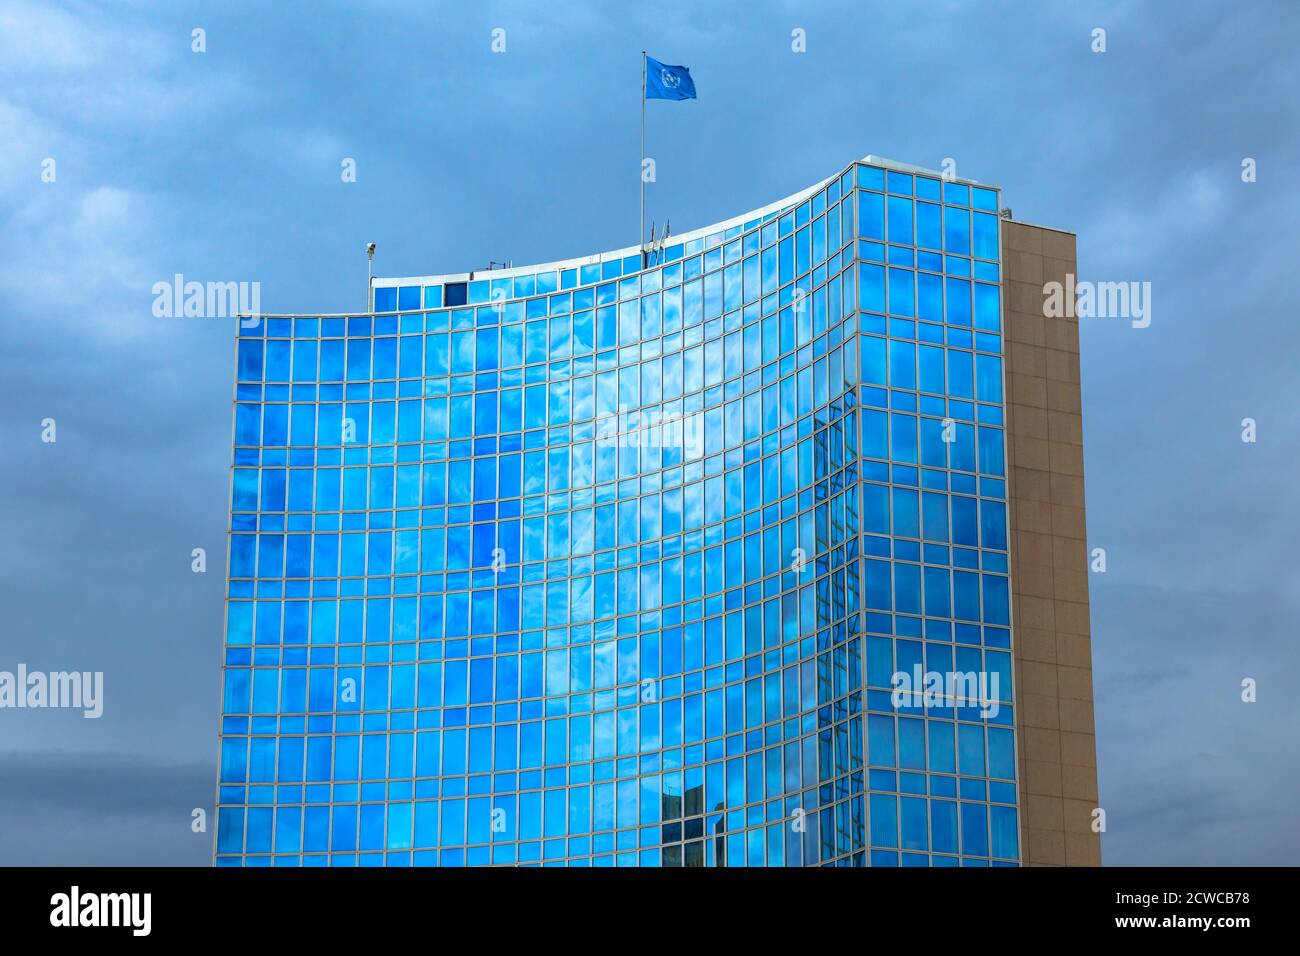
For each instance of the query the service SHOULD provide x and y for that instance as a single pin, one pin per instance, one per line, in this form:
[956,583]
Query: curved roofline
[753,216]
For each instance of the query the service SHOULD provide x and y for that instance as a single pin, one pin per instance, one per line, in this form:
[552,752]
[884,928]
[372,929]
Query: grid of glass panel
[613,565]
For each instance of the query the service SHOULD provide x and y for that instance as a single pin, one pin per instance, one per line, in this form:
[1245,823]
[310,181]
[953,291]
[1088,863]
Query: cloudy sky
[225,165]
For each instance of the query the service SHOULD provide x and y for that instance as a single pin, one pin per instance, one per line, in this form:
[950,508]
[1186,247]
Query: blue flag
[664,82]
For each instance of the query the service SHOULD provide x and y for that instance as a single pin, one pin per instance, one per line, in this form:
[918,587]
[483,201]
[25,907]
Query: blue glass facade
[615,563]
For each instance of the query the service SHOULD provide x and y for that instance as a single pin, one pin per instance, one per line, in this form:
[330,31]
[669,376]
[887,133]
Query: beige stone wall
[1049,556]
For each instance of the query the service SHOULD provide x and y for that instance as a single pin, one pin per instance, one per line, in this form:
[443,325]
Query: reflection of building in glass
[535,565]
[682,832]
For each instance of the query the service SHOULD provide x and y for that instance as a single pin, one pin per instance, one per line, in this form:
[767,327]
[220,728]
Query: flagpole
[640,238]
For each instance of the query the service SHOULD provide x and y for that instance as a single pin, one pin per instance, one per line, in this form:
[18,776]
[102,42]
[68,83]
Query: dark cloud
[97,809]
[225,166]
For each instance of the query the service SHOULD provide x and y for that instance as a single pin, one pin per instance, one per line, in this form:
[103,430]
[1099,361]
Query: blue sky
[225,165]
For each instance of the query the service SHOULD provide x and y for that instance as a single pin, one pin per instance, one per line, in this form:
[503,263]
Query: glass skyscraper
[639,559]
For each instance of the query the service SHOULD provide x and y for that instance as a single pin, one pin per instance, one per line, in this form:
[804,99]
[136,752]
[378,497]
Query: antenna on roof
[370,276]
